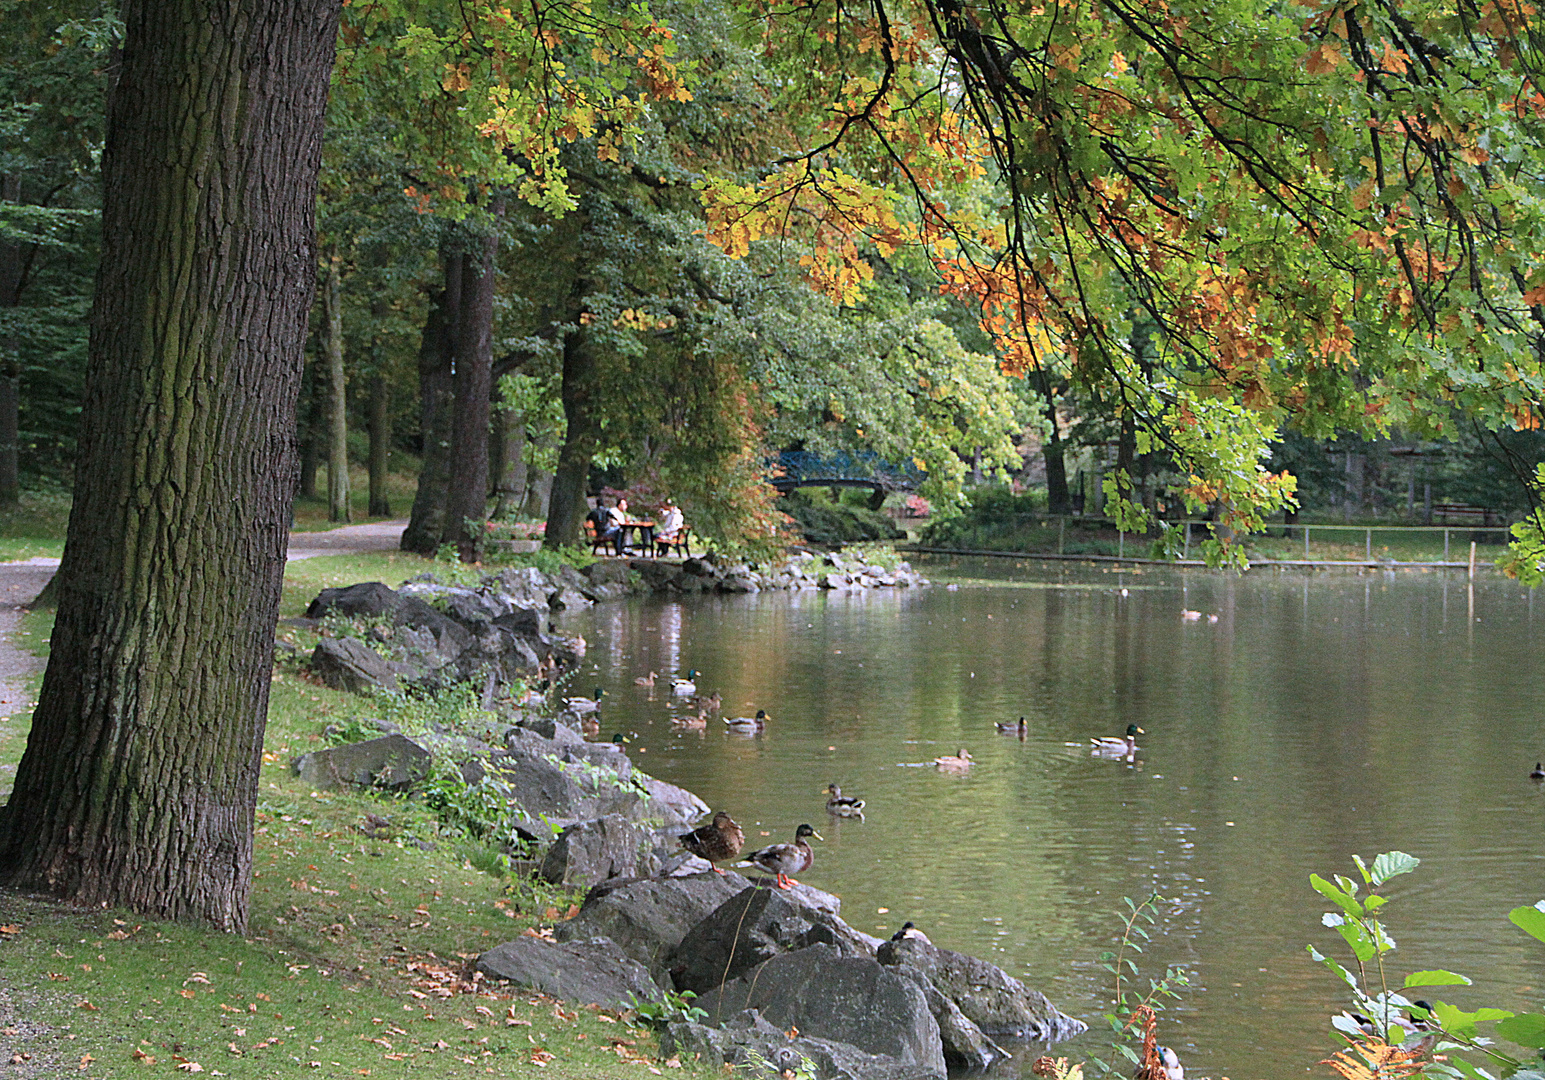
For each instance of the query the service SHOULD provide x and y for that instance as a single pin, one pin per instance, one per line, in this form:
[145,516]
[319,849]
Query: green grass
[34,526]
[401,483]
[357,957]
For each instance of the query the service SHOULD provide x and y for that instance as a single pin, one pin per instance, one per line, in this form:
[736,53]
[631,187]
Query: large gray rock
[393,761]
[523,587]
[349,664]
[751,928]
[988,996]
[562,793]
[368,599]
[608,572]
[648,919]
[672,804]
[847,999]
[566,599]
[593,972]
[590,852]
[751,1045]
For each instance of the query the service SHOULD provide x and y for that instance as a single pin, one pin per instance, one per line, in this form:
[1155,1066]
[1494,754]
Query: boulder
[590,852]
[689,583]
[522,587]
[608,572]
[847,999]
[985,994]
[604,592]
[833,579]
[655,572]
[674,805]
[749,1044]
[568,600]
[594,971]
[349,664]
[740,583]
[701,568]
[648,918]
[392,761]
[368,599]
[529,622]
[562,793]
[750,928]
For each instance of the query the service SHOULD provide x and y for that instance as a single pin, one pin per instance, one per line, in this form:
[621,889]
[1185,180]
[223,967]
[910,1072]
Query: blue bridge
[842,468]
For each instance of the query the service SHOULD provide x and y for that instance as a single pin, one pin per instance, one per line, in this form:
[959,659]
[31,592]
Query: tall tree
[139,780]
[339,507]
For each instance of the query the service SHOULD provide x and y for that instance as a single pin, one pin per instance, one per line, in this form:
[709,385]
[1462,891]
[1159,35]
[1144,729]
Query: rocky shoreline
[780,978]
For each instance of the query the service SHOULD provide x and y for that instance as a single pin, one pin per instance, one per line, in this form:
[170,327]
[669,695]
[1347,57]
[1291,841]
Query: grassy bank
[357,958]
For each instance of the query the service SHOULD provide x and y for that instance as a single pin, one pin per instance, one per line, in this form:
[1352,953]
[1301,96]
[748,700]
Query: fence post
[1121,544]
[1062,524]
[1472,560]
[1306,543]
[1368,546]
[1445,545]
[1185,552]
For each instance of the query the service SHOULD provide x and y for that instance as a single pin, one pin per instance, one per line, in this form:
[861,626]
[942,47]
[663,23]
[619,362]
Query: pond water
[1317,716]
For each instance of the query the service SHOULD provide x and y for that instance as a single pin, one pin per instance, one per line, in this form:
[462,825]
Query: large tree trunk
[380,445]
[466,504]
[338,508]
[436,388]
[1059,499]
[139,780]
[566,507]
[510,487]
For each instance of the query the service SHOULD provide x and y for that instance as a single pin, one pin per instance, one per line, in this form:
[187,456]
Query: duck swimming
[720,839]
[954,762]
[646,680]
[1012,729]
[748,724]
[537,695]
[1538,772]
[691,723]
[787,859]
[1113,747]
[708,702]
[843,805]
[687,685]
[584,704]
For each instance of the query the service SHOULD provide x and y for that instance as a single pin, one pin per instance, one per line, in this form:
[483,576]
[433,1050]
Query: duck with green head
[685,684]
[748,725]
[785,860]
[1113,747]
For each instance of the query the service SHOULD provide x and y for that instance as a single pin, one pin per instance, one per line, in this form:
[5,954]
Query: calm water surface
[1316,717]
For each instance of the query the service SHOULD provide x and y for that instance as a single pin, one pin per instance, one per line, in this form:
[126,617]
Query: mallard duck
[709,702]
[720,839]
[646,680]
[584,704]
[590,726]
[1538,773]
[842,805]
[536,695]
[1011,729]
[748,724]
[693,723]
[1168,1067]
[787,859]
[686,685]
[954,762]
[909,932]
[1113,747]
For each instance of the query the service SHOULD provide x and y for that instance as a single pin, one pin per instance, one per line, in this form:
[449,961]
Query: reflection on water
[1316,717]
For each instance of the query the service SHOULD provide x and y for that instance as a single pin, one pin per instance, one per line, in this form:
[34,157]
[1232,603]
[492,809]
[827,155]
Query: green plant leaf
[1362,868]
[1318,957]
[1393,863]
[1530,919]
[1457,1022]
[1435,978]
[1340,898]
[1362,945]
[1475,1072]
[1525,1029]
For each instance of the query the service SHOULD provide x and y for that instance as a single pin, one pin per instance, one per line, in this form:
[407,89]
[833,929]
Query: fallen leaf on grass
[56,976]
[394,1057]
[187,993]
[117,935]
[86,1060]
[142,1057]
[484,1010]
[540,1057]
[672,1062]
[190,1066]
[9,930]
[84,1004]
[17,1059]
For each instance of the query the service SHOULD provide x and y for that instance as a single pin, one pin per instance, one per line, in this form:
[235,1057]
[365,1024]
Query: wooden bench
[1467,514]
[596,541]
[678,541]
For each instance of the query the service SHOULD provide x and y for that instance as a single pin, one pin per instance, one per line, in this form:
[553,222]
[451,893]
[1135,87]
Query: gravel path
[20,582]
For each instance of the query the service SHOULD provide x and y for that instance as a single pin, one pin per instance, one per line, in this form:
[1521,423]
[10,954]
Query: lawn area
[357,958]
[34,526]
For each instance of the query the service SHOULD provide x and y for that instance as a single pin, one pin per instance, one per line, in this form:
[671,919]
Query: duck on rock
[719,840]
[785,860]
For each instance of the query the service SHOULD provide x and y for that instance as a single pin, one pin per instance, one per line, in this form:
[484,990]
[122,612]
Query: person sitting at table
[614,524]
[671,522]
[608,523]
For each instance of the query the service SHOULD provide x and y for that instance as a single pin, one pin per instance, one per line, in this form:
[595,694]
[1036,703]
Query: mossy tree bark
[436,390]
[566,507]
[139,780]
[466,505]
